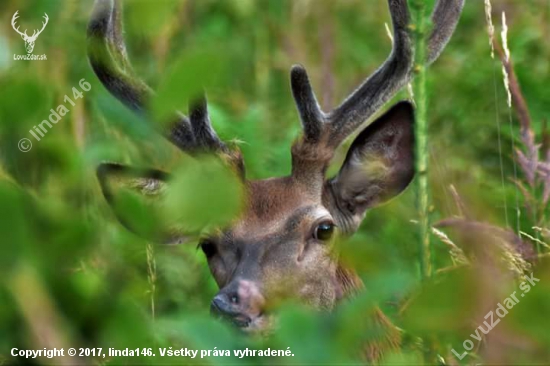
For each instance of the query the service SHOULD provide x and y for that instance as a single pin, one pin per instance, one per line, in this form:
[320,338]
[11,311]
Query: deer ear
[136,197]
[379,164]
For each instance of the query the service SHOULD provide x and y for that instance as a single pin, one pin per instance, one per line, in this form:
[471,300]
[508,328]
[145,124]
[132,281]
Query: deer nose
[225,306]
[239,302]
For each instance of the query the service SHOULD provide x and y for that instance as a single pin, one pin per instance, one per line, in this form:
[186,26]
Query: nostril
[218,306]
[224,304]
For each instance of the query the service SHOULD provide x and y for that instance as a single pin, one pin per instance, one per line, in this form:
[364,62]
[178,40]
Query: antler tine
[311,115]
[201,126]
[106,49]
[444,18]
[45,23]
[382,84]
[14,19]
[13,24]
[108,58]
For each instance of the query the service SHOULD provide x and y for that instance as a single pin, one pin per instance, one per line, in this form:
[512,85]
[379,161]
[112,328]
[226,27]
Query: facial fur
[273,245]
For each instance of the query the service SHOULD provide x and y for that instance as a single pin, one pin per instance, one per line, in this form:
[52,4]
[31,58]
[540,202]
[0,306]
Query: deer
[29,40]
[283,242]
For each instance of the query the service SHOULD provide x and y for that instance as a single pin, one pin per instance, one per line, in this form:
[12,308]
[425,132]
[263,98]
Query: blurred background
[72,276]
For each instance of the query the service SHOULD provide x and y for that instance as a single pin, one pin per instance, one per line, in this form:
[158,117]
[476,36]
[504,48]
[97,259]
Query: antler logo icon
[29,40]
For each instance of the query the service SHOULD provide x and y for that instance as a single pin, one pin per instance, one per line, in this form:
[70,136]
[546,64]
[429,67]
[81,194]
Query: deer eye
[207,247]
[324,231]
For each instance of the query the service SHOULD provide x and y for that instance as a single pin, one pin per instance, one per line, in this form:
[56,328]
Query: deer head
[282,244]
[29,40]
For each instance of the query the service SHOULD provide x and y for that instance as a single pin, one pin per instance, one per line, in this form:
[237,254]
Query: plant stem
[151,276]
[418,10]
[420,28]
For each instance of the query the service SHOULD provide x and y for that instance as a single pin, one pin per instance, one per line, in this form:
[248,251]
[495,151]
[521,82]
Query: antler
[13,20]
[108,58]
[36,33]
[330,129]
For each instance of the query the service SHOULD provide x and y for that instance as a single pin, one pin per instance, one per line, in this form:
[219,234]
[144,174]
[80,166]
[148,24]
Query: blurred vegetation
[72,276]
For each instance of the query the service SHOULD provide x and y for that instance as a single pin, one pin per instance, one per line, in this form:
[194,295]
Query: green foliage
[71,274]
[204,194]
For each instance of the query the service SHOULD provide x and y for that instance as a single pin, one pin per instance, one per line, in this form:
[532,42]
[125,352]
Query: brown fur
[275,198]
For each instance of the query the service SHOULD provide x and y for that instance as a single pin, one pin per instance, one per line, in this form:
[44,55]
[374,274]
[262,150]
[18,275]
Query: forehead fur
[271,201]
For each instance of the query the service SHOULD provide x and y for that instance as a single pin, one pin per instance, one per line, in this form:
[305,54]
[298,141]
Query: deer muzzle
[240,303]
